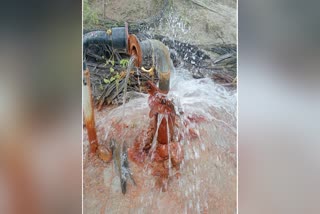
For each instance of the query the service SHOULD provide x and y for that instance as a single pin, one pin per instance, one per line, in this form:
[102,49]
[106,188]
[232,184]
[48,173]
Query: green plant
[116,77]
[90,16]
[124,63]
[109,61]
[112,64]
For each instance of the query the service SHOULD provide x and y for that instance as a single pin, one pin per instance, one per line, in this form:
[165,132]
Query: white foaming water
[202,97]
[193,99]
[178,27]
[208,166]
[154,141]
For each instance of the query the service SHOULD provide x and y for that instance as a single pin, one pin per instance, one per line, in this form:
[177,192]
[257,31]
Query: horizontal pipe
[116,37]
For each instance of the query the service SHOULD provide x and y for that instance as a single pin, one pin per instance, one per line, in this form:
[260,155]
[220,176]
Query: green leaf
[106,81]
[118,76]
[124,62]
[112,79]
[111,69]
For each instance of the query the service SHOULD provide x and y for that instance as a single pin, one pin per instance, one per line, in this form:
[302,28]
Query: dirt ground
[198,22]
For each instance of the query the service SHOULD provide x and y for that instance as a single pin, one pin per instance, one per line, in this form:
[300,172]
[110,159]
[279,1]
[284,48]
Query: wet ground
[207,185]
[207,177]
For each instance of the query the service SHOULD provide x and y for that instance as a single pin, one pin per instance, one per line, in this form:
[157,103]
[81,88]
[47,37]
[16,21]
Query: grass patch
[90,16]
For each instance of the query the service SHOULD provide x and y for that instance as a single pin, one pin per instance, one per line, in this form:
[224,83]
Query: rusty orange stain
[89,121]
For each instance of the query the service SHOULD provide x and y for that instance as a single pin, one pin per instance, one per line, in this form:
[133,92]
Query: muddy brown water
[207,183]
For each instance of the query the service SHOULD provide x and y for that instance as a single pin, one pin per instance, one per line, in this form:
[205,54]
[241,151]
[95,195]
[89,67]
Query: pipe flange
[134,49]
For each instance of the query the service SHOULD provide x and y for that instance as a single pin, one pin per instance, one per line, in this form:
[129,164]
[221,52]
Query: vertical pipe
[88,112]
[163,62]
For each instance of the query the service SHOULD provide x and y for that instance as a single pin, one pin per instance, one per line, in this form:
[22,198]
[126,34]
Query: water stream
[207,178]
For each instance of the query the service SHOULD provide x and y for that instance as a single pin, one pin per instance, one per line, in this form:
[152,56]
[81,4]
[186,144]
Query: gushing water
[154,140]
[208,171]
[168,136]
[203,98]
[206,114]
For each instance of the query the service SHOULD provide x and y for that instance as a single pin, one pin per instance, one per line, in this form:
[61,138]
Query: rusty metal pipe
[88,112]
[119,39]
[161,59]
[160,55]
